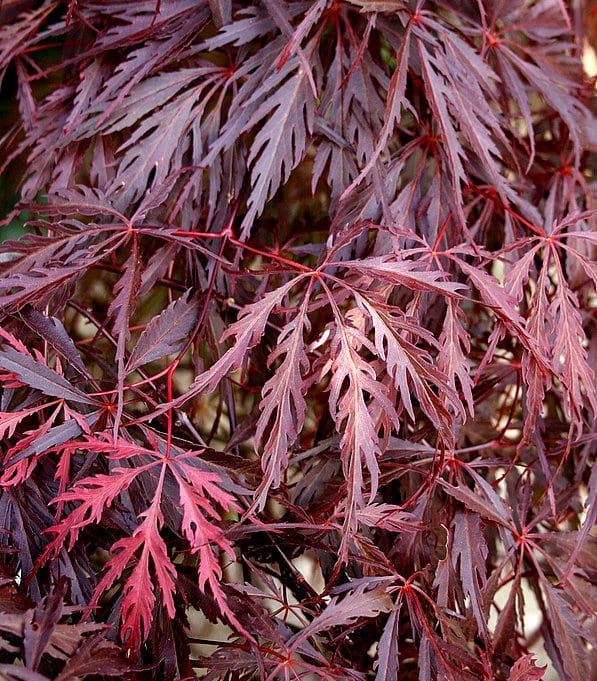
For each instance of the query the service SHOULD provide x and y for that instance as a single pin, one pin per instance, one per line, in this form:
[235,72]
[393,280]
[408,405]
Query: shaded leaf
[280,143]
[52,330]
[358,603]
[166,333]
[387,664]
[95,653]
[39,627]
[40,377]
[486,508]
[10,672]
[469,554]
[568,634]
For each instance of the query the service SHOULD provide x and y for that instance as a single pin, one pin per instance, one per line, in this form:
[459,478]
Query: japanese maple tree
[297,282]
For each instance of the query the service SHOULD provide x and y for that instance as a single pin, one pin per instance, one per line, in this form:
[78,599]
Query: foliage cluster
[307,279]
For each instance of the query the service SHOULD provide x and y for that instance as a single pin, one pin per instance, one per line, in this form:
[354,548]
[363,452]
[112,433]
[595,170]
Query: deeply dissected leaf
[39,627]
[349,409]
[280,143]
[247,332]
[535,380]
[40,377]
[201,534]
[95,653]
[283,402]
[300,328]
[10,420]
[469,554]
[149,150]
[525,669]
[80,199]
[396,99]
[452,359]
[403,273]
[165,334]
[96,493]
[568,635]
[469,104]
[569,356]
[409,365]
[139,592]
[438,95]
[389,517]
[40,268]
[20,33]
[387,656]
[556,93]
[358,603]
[501,303]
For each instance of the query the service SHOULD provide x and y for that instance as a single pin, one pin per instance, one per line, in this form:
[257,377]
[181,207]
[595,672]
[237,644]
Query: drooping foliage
[299,281]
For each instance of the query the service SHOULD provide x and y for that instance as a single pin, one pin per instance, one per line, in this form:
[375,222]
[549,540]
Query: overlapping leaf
[469,554]
[39,376]
[247,332]
[283,401]
[382,212]
[351,412]
[409,365]
[281,141]
[165,334]
[361,602]
[569,355]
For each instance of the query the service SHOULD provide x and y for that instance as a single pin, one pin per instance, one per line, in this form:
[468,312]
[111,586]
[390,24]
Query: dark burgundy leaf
[11,672]
[221,11]
[387,664]
[79,199]
[439,94]
[361,602]
[299,329]
[39,627]
[568,635]
[469,556]
[166,333]
[485,507]
[93,655]
[40,377]
[52,330]
[52,437]
[280,143]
